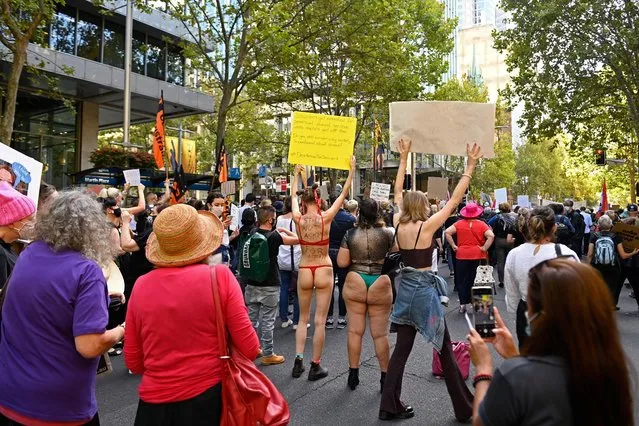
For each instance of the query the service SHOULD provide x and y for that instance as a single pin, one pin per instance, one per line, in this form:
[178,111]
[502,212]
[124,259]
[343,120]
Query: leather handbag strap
[219,318]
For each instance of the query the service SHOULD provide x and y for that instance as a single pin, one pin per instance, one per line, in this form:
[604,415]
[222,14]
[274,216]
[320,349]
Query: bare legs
[323,285]
[375,300]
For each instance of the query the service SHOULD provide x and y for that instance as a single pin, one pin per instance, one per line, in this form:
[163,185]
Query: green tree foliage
[21,22]
[464,89]
[230,43]
[369,53]
[574,68]
[251,137]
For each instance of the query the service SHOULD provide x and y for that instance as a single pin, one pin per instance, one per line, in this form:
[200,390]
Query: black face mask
[117,212]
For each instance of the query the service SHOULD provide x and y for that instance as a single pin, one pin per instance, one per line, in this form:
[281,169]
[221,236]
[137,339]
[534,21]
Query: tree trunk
[6,123]
[632,168]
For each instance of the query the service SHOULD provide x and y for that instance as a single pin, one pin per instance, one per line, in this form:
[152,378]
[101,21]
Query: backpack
[563,235]
[605,251]
[255,261]
[505,224]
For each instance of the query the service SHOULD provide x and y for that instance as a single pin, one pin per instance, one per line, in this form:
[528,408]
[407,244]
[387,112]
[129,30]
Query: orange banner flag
[158,135]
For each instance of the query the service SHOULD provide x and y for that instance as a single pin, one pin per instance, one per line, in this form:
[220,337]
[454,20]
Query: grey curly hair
[76,221]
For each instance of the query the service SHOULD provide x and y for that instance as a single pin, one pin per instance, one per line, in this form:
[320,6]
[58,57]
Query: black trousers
[633,278]
[460,395]
[465,273]
[202,410]
[611,276]
[521,322]
[340,274]
[95,421]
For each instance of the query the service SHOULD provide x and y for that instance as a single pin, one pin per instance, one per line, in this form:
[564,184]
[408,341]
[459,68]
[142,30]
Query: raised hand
[473,152]
[299,169]
[404,147]
[479,353]
[503,341]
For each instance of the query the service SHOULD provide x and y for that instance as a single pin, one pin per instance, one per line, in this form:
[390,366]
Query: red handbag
[249,398]
[462,357]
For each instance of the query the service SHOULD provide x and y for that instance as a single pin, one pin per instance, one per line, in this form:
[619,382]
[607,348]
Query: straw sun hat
[183,236]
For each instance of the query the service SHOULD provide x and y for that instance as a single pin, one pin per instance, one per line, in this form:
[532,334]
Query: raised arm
[295,206]
[404,149]
[331,212]
[438,219]
[141,202]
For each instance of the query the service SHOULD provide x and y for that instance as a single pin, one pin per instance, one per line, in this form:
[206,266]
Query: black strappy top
[416,258]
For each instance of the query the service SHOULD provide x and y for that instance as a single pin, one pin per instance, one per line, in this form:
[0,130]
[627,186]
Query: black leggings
[521,322]
[204,409]
[95,421]
[461,397]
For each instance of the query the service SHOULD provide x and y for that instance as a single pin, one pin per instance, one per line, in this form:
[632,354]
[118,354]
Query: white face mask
[217,211]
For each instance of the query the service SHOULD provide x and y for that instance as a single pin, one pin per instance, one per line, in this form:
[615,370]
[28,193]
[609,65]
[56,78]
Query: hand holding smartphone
[483,311]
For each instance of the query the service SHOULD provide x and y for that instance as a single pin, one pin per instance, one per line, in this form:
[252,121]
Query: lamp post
[128,47]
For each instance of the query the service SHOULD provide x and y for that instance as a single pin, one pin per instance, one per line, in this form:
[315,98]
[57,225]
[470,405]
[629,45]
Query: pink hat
[13,205]
[471,211]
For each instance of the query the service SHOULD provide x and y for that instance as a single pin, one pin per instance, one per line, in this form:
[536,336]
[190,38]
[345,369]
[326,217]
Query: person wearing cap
[54,316]
[171,336]
[474,238]
[16,214]
[279,207]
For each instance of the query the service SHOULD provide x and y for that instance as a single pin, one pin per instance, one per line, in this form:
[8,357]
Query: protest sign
[380,191]
[438,188]
[22,172]
[443,127]
[523,201]
[324,191]
[228,188]
[132,177]
[501,195]
[322,140]
[629,235]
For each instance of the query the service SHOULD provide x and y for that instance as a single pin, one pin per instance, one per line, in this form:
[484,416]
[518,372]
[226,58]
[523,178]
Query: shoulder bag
[249,398]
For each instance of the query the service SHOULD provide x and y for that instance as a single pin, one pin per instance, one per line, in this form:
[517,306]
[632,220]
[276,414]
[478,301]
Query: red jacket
[171,335]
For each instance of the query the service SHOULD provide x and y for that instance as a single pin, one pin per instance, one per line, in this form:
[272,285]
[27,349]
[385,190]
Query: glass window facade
[114,44]
[99,39]
[62,35]
[174,65]
[155,58]
[89,36]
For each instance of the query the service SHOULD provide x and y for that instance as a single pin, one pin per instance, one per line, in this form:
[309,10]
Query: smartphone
[483,310]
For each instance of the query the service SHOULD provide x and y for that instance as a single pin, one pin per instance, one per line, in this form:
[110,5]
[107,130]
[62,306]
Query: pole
[128,43]
[180,143]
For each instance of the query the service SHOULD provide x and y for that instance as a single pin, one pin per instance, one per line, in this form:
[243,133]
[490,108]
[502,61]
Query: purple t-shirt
[52,297]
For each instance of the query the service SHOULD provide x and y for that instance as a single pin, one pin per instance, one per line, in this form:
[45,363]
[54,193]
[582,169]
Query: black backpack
[504,225]
[563,235]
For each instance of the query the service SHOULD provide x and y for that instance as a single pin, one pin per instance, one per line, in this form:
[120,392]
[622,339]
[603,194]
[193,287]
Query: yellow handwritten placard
[322,140]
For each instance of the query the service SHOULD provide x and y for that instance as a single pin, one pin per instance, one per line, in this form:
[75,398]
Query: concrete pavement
[329,401]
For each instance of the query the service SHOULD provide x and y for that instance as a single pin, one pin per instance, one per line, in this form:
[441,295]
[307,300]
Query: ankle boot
[353,378]
[298,367]
[382,380]
[316,372]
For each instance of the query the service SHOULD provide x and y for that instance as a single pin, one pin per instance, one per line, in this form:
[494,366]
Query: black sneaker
[298,367]
[317,372]
[353,378]
[341,323]
[330,323]
[501,285]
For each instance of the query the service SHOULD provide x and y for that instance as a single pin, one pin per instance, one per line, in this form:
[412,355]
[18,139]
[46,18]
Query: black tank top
[416,258]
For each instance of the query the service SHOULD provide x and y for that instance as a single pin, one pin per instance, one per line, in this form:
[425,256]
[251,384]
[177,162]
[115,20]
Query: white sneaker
[286,323]
[295,326]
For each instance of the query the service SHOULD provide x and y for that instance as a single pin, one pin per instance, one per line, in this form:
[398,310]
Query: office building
[84,51]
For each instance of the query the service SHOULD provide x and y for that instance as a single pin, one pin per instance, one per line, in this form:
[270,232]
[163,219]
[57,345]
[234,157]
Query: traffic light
[600,156]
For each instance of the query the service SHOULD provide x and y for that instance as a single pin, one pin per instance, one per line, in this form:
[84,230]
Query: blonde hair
[414,207]
[351,205]
[109,193]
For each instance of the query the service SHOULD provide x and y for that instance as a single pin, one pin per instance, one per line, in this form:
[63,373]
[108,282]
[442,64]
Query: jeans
[262,303]
[204,409]
[340,273]
[460,395]
[501,251]
[285,288]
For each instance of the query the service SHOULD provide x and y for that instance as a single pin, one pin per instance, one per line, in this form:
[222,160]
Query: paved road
[329,401]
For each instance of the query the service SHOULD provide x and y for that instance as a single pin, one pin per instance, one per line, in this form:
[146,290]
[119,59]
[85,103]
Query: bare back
[313,231]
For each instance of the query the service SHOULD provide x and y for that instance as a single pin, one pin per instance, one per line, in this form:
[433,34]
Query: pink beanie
[13,205]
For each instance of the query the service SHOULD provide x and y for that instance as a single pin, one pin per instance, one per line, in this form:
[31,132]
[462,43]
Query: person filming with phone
[572,369]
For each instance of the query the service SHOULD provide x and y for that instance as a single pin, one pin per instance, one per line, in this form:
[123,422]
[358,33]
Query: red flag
[604,198]
[158,135]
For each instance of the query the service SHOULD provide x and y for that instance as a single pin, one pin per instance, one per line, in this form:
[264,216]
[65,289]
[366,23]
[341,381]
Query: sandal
[115,352]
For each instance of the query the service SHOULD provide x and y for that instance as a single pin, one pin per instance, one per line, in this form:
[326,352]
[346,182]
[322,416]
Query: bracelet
[480,378]
[467,175]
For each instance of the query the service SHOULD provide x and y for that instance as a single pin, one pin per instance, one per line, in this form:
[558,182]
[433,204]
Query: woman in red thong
[316,270]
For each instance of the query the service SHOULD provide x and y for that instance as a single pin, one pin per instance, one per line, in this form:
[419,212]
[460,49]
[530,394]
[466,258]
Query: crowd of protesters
[96,275]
